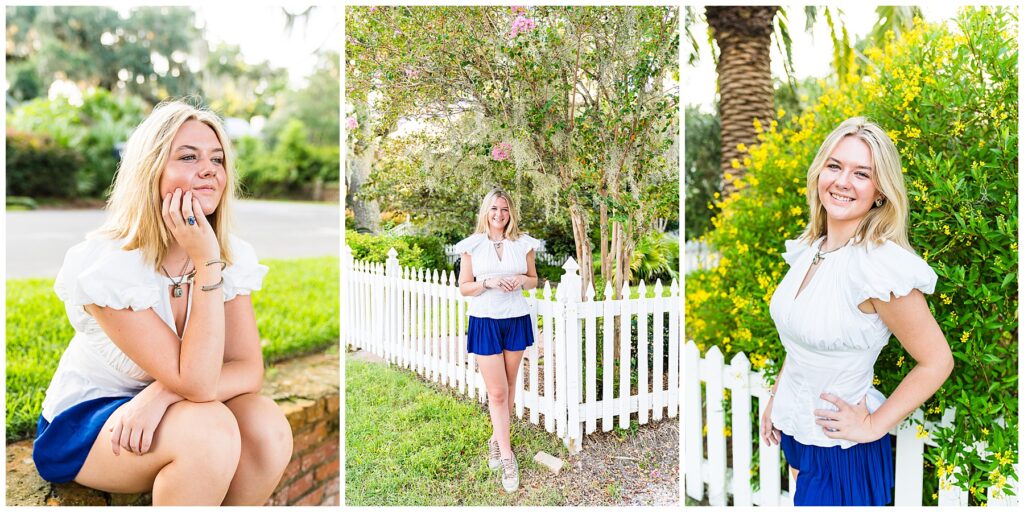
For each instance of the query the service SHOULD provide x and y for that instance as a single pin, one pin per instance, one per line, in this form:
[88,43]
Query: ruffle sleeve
[245,274]
[876,272]
[99,272]
[529,243]
[795,249]
[469,244]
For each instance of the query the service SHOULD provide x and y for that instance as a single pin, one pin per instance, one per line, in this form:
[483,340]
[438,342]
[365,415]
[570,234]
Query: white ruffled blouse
[831,345]
[497,303]
[97,271]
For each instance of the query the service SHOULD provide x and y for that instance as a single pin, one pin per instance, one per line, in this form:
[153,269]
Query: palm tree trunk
[744,36]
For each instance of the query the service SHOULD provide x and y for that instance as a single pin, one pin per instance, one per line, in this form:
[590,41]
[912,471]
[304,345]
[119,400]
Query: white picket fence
[698,256]
[541,256]
[746,385]
[416,318]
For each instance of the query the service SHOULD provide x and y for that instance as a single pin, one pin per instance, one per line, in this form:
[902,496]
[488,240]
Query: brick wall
[306,388]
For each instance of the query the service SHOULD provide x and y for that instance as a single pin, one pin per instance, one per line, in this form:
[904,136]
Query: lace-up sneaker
[493,455]
[510,474]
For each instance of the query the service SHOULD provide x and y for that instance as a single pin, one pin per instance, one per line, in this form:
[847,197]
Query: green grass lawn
[408,442]
[296,311]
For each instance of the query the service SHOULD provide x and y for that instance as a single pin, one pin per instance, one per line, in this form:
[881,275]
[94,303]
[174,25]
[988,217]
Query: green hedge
[93,129]
[948,97]
[413,250]
[37,167]
[289,167]
[296,312]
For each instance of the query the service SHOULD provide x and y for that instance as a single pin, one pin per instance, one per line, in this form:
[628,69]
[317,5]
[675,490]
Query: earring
[879,202]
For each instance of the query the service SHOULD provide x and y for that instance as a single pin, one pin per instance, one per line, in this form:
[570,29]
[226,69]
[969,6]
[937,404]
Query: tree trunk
[606,266]
[744,37]
[367,213]
[578,216]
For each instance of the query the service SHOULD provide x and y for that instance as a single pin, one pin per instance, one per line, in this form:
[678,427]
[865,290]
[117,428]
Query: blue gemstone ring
[191,221]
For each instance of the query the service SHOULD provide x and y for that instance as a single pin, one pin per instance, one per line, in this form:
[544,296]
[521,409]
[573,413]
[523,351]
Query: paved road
[37,240]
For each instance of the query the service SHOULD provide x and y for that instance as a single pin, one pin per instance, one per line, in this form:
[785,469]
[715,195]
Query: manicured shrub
[948,97]
[37,167]
[413,250]
[94,129]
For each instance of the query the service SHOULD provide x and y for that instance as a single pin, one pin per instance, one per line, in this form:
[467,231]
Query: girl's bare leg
[191,462]
[492,368]
[266,449]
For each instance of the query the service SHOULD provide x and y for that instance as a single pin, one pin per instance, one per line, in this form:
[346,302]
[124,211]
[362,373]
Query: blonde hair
[134,206]
[881,223]
[512,228]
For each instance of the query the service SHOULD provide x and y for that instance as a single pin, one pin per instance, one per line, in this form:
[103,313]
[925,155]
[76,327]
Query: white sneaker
[510,474]
[493,455]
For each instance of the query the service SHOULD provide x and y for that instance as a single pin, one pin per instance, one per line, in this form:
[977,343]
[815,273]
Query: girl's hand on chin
[195,236]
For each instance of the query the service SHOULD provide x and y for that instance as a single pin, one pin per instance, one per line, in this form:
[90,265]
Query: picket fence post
[693,442]
[392,275]
[568,376]
[713,364]
[739,373]
[347,315]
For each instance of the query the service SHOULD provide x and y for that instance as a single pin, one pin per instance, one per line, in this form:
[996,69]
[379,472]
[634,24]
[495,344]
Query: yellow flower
[921,432]
[899,362]
[757,126]
[964,336]
[945,229]
[876,381]
[984,431]
[741,147]
[780,113]
[735,164]
[779,191]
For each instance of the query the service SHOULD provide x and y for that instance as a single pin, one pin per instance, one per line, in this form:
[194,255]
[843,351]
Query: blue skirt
[61,446]
[490,336]
[859,475]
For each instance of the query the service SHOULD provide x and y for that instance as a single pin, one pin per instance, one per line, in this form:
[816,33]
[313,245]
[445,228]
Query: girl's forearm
[202,343]
[920,384]
[472,288]
[236,378]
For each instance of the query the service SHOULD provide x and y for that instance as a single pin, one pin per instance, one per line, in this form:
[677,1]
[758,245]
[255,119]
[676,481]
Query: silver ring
[191,221]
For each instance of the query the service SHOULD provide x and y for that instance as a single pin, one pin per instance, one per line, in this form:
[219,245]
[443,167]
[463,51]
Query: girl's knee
[498,396]
[265,430]
[206,429]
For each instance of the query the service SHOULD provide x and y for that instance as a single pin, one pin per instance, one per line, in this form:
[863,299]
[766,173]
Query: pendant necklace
[819,256]
[176,285]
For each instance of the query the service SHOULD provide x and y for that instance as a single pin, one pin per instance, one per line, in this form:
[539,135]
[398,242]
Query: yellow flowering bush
[947,95]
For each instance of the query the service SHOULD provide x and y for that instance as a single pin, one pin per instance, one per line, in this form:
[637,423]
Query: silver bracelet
[211,287]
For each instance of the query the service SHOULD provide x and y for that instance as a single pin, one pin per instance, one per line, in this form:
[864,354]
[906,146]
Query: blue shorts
[832,476]
[61,446]
[490,336]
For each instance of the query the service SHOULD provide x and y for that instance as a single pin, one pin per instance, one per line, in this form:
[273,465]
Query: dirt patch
[630,469]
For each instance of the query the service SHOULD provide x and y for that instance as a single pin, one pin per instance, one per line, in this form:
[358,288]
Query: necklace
[821,255]
[176,285]
[497,244]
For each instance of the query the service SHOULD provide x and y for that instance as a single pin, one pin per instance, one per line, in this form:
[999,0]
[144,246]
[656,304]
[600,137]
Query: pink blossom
[351,123]
[412,73]
[522,25]
[373,9]
[501,151]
